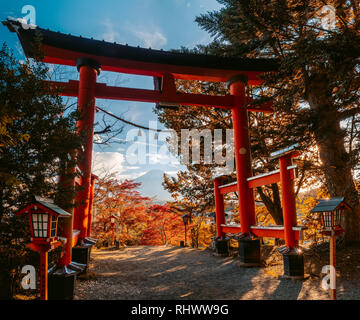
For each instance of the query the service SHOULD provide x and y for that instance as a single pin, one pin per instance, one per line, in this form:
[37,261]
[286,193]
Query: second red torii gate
[285,175]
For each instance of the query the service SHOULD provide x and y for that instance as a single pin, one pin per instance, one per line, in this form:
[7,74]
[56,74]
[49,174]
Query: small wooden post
[91,202]
[43,275]
[333,266]
[219,207]
[185,236]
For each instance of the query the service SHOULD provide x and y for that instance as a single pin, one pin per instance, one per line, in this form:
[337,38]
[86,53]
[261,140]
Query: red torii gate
[91,56]
[285,175]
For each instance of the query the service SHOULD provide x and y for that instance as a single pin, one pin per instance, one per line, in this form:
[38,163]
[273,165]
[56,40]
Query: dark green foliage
[36,135]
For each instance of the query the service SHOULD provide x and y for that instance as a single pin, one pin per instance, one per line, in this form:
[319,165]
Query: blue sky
[166,24]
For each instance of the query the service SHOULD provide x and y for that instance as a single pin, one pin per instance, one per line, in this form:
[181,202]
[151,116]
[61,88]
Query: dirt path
[157,273]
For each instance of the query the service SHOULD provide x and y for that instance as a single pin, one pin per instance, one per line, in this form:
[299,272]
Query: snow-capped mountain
[151,186]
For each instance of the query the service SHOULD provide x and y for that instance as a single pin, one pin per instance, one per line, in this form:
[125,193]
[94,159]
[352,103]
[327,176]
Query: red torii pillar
[249,248]
[292,255]
[91,202]
[62,278]
[219,207]
[77,185]
[67,224]
[242,153]
[288,201]
[89,69]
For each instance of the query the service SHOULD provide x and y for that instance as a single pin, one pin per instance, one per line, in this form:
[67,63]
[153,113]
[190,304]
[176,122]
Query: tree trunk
[272,205]
[335,160]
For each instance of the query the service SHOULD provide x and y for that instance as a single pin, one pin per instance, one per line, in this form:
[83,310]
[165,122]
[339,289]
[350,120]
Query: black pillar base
[81,255]
[293,264]
[5,287]
[61,284]
[249,252]
[222,246]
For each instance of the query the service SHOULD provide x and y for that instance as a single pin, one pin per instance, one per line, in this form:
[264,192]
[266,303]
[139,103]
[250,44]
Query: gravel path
[157,273]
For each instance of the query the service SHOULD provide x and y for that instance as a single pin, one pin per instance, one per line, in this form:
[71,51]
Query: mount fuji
[151,186]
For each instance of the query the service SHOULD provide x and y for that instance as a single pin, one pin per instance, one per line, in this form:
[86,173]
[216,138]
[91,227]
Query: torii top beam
[63,49]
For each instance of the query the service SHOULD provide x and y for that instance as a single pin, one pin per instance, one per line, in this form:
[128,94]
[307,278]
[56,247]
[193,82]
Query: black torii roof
[84,46]
[328,205]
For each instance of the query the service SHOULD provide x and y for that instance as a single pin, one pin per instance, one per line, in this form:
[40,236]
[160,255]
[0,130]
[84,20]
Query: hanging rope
[132,123]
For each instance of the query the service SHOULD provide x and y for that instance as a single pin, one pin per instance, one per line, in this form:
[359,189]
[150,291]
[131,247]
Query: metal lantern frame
[331,213]
[43,219]
[42,224]
[186,219]
[332,219]
[112,220]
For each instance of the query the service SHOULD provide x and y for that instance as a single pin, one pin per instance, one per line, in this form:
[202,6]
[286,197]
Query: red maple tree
[163,226]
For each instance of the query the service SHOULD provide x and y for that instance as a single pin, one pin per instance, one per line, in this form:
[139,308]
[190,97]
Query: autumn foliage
[163,226]
[119,211]
[124,216]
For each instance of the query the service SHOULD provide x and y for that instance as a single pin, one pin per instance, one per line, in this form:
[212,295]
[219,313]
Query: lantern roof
[47,205]
[328,205]
[52,206]
[65,49]
[283,152]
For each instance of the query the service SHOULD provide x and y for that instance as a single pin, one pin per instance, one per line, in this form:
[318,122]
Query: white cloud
[160,158]
[155,40]
[133,176]
[19,48]
[108,162]
[110,35]
[132,168]
[206,39]
[171,173]
[135,116]
[151,36]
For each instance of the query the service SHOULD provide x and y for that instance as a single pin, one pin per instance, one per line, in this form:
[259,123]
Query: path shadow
[177,273]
